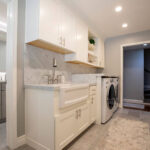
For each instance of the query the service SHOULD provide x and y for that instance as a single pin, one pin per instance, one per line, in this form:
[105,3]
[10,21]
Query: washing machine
[108,104]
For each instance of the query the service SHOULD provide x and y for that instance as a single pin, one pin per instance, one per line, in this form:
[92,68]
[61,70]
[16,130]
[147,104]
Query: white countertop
[86,78]
[54,86]
[3,81]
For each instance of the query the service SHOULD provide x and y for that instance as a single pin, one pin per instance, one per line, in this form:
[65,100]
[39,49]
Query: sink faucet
[52,78]
[53,72]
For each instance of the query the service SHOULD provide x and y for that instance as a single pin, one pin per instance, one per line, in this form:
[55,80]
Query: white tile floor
[91,139]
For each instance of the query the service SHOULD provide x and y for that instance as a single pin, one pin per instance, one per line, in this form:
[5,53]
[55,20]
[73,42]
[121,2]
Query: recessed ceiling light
[3,24]
[124,25]
[145,44]
[4,30]
[118,8]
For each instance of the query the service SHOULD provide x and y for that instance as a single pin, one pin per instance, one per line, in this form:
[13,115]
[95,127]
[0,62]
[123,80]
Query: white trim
[133,101]
[11,70]
[121,66]
[35,144]
[21,140]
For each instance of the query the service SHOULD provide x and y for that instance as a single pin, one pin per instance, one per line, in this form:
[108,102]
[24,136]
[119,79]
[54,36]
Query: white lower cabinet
[70,124]
[50,127]
[65,130]
[83,118]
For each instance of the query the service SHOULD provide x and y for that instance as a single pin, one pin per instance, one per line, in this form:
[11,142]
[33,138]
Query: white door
[83,118]
[65,126]
[49,21]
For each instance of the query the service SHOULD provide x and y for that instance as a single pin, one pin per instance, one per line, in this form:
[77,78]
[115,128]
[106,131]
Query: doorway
[136,66]
[147,77]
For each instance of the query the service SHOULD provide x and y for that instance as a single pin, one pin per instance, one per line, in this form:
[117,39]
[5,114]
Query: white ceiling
[107,22]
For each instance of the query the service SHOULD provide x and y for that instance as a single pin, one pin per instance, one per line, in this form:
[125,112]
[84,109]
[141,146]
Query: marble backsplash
[39,62]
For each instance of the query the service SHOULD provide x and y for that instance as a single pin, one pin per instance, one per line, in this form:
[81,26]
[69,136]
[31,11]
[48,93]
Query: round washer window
[111,97]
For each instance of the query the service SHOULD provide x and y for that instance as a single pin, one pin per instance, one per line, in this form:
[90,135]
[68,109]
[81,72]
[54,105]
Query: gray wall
[133,74]
[38,62]
[20,69]
[113,46]
[2,56]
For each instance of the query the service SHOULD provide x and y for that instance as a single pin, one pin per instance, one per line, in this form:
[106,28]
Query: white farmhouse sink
[73,93]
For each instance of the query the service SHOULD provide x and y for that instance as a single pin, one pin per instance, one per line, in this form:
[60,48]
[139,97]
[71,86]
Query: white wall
[2,56]
[113,50]
[133,74]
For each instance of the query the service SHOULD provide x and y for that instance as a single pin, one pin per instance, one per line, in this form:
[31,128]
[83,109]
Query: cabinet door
[65,125]
[66,27]
[49,21]
[0,103]
[83,118]
[101,54]
[81,41]
[92,108]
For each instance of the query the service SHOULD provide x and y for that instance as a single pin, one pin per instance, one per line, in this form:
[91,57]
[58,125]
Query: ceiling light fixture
[3,24]
[118,9]
[145,44]
[4,30]
[124,25]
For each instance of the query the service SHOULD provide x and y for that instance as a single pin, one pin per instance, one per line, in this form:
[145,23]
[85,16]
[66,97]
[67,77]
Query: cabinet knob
[76,114]
[79,112]
[92,100]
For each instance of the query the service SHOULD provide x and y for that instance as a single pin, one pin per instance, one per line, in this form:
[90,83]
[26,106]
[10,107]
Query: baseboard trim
[21,140]
[133,101]
[35,144]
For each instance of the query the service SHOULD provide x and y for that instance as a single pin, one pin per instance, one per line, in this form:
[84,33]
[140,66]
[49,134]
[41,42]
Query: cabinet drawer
[92,90]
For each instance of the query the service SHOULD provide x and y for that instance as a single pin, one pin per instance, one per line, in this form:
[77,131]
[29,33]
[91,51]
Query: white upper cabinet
[51,24]
[81,43]
[48,24]
[66,27]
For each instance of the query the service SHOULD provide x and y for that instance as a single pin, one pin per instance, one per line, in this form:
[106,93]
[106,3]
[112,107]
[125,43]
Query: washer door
[111,97]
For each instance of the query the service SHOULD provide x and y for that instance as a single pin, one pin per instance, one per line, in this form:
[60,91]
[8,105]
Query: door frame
[11,71]
[122,69]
